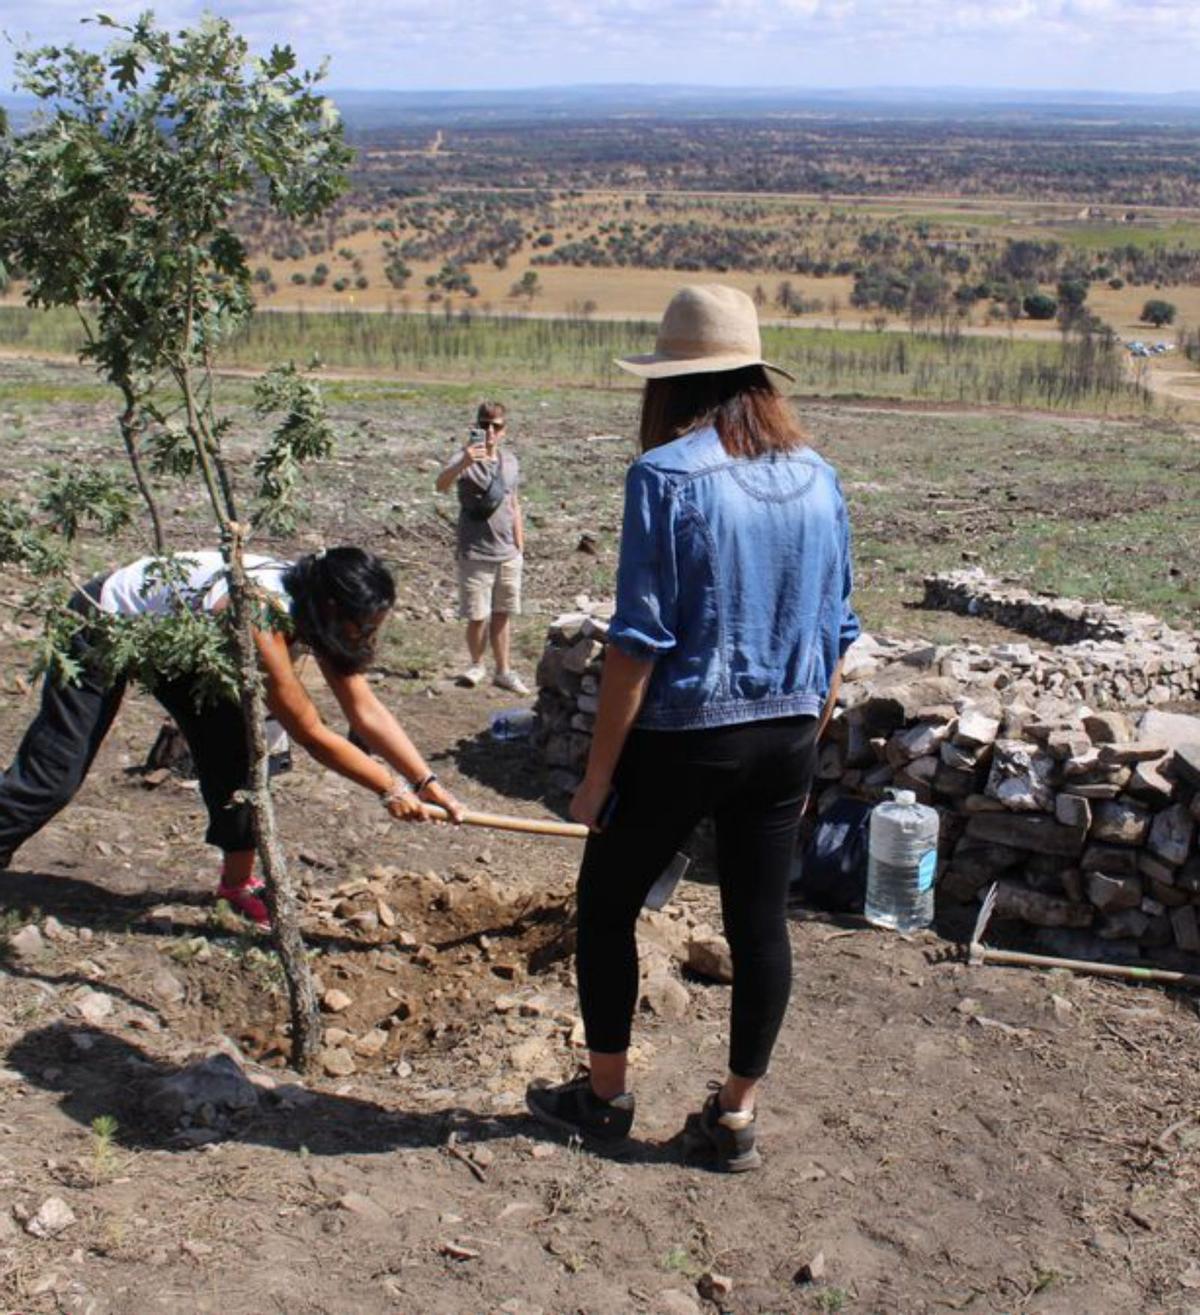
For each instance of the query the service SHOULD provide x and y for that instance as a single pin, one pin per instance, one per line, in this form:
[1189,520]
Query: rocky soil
[937,1137]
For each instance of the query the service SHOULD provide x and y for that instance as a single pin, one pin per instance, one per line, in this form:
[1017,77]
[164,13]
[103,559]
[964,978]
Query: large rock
[1120,823]
[1020,777]
[1185,923]
[893,699]
[206,1092]
[1171,729]
[1042,835]
[1110,894]
[1016,901]
[1171,835]
[1186,764]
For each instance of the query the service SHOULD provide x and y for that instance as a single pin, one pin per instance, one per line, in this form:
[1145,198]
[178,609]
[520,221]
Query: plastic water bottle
[901,863]
[512,724]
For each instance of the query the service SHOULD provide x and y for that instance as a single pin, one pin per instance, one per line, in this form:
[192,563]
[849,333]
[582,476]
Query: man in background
[491,542]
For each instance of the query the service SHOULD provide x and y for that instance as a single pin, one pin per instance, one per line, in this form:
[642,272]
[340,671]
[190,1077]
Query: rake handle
[1132,972]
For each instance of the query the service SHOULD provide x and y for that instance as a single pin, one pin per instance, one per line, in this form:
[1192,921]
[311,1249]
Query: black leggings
[58,749]
[752,779]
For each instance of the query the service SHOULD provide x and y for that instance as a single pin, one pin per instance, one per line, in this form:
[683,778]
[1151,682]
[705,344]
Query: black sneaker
[724,1136]
[575,1108]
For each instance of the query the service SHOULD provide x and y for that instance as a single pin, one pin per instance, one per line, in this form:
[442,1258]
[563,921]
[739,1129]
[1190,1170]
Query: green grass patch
[464,353]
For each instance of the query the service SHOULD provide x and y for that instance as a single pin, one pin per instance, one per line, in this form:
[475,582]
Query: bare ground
[936,1137]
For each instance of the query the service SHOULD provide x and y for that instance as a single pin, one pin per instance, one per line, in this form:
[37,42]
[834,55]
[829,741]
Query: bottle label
[927,870]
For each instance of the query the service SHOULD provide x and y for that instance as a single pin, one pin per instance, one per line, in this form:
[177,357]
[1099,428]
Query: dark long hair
[750,415]
[327,590]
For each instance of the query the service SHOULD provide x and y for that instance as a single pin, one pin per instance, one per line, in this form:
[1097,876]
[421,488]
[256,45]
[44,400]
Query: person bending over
[337,601]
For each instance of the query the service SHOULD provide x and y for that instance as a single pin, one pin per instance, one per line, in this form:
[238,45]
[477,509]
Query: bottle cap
[903,796]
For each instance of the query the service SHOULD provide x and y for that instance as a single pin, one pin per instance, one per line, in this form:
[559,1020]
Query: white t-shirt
[128,591]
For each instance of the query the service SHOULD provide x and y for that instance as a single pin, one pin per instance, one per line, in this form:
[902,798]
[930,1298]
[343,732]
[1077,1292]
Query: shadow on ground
[95,1073]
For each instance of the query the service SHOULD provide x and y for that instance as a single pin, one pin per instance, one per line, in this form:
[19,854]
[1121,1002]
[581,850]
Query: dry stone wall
[1050,781]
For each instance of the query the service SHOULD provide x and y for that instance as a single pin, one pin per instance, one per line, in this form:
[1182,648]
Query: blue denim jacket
[734,578]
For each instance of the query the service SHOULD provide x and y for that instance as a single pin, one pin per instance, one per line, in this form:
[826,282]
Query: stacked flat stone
[568,680]
[1104,655]
[1085,816]
[1087,819]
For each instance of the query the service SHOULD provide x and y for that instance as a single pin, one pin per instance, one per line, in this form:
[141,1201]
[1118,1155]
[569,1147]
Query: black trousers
[752,779]
[62,741]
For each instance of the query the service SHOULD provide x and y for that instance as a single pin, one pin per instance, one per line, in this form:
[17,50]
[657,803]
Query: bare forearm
[389,740]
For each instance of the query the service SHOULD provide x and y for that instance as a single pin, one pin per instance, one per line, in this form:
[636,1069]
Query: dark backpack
[831,872]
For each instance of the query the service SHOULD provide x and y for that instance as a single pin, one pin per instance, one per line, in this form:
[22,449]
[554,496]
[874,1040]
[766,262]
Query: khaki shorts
[487,587]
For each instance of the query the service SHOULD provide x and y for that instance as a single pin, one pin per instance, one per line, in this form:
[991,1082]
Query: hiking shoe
[726,1136]
[510,681]
[575,1108]
[247,900]
[472,676]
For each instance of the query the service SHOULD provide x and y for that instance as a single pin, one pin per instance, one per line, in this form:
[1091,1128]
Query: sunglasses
[497,425]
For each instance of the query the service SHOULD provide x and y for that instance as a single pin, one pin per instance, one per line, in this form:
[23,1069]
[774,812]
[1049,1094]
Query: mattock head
[975,952]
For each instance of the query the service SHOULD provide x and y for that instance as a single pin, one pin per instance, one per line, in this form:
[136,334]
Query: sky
[1103,45]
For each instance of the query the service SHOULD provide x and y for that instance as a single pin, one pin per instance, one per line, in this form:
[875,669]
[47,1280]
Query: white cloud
[1148,46]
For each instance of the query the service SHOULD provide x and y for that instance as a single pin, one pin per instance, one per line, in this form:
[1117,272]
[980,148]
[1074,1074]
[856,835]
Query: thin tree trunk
[281,892]
[129,434]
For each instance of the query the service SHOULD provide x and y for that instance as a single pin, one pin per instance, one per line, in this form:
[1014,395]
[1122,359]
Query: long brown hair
[749,414]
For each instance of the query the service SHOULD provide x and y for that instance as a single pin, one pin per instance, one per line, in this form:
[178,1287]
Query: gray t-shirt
[488,540]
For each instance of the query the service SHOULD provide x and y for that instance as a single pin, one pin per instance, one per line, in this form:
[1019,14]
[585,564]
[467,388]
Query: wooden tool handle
[1130,972]
[501,822]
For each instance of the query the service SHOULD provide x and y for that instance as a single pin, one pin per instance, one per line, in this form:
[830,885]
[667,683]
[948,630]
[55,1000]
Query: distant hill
[369,112]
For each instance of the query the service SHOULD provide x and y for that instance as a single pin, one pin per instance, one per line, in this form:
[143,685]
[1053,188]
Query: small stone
[385,913]
[355,1203]
[812,1271]
[673,1301]
[530,1054]
[709,956]
[371,1043]
[92,1006]
[27,943]
[53,1216]
[666,997]
[713,1286]
[337,1063]
[335,1001]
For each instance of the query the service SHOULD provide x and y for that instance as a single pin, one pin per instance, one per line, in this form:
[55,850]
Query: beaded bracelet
[426,780]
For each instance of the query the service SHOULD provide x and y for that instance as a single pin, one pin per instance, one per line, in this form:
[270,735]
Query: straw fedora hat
[706,328]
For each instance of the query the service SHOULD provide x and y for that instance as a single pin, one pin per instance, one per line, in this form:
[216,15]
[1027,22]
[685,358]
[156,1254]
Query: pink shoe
[245,900]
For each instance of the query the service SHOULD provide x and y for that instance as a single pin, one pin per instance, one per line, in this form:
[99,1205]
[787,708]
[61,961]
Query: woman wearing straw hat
[733,613]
